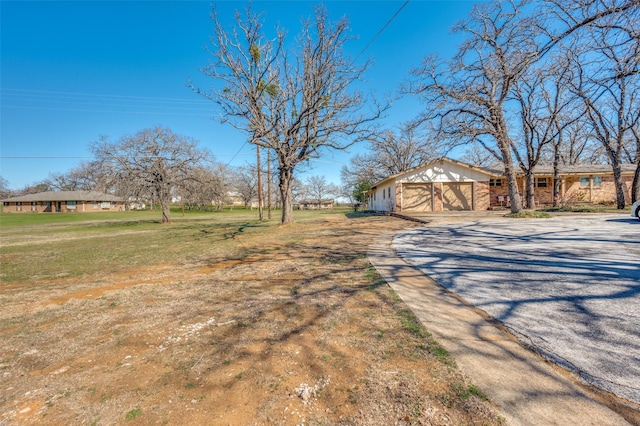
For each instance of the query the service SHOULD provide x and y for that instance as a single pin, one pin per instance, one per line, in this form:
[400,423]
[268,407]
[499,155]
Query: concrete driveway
[568,287]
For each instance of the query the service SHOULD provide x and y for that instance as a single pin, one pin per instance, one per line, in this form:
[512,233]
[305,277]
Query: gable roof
[65,196]
[430,163]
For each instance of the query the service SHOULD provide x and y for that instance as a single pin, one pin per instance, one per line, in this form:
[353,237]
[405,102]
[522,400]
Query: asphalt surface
[567,287]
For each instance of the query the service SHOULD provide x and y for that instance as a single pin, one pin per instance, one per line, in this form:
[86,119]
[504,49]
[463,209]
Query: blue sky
[73,71]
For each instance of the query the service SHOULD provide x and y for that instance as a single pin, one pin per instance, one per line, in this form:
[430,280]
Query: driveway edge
[527,389]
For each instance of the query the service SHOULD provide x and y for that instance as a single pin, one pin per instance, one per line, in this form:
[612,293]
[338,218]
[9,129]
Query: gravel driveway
[569,287]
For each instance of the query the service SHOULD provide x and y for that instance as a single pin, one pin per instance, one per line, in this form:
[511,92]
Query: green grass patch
[464,391]
[134,414]
[66,245]
[412,324]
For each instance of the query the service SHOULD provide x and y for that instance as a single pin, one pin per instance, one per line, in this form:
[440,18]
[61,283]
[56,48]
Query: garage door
[457,196]
[416,197]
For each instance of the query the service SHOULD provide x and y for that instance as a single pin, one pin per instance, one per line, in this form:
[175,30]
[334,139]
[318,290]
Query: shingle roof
[65,196]
[577,169]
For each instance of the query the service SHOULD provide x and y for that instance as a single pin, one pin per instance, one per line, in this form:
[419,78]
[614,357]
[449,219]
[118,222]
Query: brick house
[313,204]
[448,185]
[63,201]
[584,183]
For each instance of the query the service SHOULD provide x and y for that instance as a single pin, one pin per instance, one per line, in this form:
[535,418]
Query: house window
[71,205]
[105,205]
[96,206]
[597,182]
[584,182]
[541,182]
[34,206]
[389,192]
[19,206]
[383,194]
[495,182]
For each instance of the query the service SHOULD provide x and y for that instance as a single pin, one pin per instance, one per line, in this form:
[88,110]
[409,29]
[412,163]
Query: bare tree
[5,192]
[389,153]
[468,97]
[478,156]
[398,151]
[85,177]
[34,188]
[568,18]
[207,186]
[297,103]
[607,69]
[153,161]
[245,184]
[319,189]
[545,104]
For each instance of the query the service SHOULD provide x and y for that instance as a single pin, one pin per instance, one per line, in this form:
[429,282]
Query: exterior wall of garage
[438,186]
[383,198]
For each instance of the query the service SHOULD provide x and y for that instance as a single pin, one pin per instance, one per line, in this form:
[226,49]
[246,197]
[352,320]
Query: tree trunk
[512,185]
[617,178]
[509,171]
[530,192]
[166,211]
[286,176]
[635,187]
[556,175]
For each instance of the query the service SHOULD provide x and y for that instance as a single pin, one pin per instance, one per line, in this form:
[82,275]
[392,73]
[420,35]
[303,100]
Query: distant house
[313,204]
[448,185]
[64,201]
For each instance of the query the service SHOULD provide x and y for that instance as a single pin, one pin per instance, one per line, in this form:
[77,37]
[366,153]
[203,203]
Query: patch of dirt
[299,333]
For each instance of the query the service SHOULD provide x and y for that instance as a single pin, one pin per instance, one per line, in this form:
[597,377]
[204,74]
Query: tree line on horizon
[156,166]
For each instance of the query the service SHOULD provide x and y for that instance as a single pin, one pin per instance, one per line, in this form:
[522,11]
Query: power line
[48,100]
[75,157]
[382,29]
[34,92]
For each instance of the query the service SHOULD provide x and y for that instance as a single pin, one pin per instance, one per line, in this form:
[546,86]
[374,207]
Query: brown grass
[298,329]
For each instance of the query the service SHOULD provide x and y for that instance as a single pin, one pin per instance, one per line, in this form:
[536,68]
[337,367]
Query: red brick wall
[572,191]
[606,192]
[482,195]
[437,197]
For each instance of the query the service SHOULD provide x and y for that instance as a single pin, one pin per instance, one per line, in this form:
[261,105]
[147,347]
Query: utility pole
[269,184]
[260,213]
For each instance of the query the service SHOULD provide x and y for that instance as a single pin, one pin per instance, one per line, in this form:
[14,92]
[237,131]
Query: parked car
[635,210]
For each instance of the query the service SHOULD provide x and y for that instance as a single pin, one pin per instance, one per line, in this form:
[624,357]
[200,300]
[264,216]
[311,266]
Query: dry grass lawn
[233,323]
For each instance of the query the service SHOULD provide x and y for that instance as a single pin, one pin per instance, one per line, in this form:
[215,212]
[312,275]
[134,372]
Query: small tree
[319,189]
[5,192]
[245,183]
[152,162]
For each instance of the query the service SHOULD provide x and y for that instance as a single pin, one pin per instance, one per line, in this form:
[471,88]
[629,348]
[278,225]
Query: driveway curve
[568,287]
